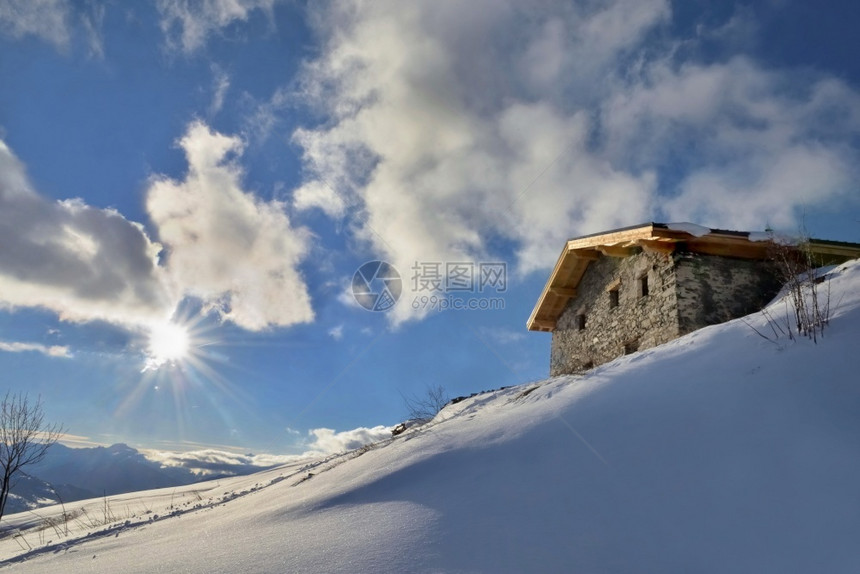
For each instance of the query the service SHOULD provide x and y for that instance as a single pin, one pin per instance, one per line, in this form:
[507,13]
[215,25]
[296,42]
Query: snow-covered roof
[662,238]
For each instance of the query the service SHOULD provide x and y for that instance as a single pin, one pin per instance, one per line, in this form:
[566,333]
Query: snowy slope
[718,452]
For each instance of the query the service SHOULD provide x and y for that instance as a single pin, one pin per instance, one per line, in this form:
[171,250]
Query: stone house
[616,292]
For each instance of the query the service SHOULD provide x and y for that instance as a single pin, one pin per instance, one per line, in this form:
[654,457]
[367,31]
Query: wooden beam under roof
[617,250]
[584,254]
[657,245]
[557,292]
[568,271]
[613,237]
[545,326]
[729,247]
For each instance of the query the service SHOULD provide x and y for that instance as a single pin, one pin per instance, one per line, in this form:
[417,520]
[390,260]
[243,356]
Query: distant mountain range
[69,474]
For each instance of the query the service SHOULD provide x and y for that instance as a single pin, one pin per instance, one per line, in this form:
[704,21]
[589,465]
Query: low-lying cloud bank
[321,442]
[329,441]
[211,461]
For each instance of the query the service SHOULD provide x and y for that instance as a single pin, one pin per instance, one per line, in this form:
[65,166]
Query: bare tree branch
[24,438]
[426,405]
[796,265]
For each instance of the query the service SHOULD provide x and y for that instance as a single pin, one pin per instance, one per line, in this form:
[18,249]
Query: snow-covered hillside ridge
[718,452]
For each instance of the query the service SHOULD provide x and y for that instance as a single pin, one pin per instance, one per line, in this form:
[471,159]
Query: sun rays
[168,343]
[178,358]
[186,377]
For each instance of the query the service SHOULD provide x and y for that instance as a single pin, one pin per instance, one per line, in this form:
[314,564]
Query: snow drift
[719,452]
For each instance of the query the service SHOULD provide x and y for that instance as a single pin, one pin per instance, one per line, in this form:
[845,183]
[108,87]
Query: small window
[580,322]
[588,366]
[631,346]
[613,298]
[643,286]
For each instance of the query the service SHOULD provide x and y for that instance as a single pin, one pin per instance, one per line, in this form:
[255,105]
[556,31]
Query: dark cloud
[82,262]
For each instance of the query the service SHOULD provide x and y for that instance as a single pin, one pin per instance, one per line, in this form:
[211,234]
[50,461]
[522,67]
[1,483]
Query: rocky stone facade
[714,289]
[625,304]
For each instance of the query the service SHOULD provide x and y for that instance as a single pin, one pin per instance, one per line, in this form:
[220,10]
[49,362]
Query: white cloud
[188,23]
[452,126]
[263,117]
[440,152]
[92,20]
[212,461]
[222,245]
[235,252]
[49,350]
[765,144]
[78,441]
[323,441]
[55,22]
[319,194]
[336,333]
[328,441]
[221,83]
[79,261]
[47,19]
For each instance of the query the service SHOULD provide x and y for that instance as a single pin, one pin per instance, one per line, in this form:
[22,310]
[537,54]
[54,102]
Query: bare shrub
[809,311]
[427,404]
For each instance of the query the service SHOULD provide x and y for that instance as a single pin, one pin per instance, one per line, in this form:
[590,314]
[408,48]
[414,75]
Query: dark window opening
[643,286]
[631,346]
[580,322]
[613,298]
[588,366]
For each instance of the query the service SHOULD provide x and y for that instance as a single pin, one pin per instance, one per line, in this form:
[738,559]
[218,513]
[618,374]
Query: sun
[168,343]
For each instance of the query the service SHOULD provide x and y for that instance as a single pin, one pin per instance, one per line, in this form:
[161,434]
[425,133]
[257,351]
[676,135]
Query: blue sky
[222,168]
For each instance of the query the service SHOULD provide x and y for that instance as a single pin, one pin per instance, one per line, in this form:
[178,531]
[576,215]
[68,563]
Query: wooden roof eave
[560,288]
[819,247]
[626,236]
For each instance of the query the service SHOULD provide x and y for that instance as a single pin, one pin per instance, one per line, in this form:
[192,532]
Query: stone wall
[685,292]
[714,289]
[637,322]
